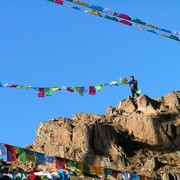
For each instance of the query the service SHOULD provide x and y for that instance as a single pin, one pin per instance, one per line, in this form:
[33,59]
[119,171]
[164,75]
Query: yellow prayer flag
[55,89]
[30,157]
[164,35]
[79,90]
[28,87]
[81,3]
[124,81]
[151,26]
[95,13]
[96,170]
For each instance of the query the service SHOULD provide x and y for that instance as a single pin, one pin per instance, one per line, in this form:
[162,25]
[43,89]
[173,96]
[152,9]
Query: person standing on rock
[133,86]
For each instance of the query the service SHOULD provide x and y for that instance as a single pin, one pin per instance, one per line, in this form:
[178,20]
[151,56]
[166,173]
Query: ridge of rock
[139,135]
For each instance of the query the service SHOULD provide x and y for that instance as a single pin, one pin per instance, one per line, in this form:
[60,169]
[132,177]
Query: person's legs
[132,92]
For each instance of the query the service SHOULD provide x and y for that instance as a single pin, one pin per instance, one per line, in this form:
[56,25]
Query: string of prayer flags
[47,91]
[65,168]
[71,167]
[118,17]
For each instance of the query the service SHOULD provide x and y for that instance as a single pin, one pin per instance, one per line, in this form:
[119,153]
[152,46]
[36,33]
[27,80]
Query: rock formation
[139,135]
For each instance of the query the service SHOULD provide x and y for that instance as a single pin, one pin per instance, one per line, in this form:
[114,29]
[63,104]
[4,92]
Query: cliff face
[139,135]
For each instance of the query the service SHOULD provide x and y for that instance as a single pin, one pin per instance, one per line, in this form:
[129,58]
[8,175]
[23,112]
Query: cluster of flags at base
[91,90]
[118,17]
[65,168]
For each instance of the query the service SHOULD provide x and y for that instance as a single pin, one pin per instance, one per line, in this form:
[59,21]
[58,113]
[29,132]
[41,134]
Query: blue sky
[45,44]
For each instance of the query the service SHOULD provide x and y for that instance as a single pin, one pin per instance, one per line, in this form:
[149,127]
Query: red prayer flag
[11,152]
[124,16]
[60,163]
[125,22]
[14,86]
[41,92]
[92,91]
[59,2]
[70,89]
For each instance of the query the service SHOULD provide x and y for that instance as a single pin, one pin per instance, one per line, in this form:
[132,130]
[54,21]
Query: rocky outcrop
[172,101]
[137,135]
[153,121]
[93,143]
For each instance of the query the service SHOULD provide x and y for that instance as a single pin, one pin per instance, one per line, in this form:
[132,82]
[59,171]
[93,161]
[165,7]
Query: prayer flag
[98,170]
[59,2]
[21,154]
[80,90]
[55,89]
[138,91]
[174,37]
[124,16]
[124,81]
[111,18]
[40,159]
[11,152]
[139,21]
[27,87]
[30,155]
[3,151]
[113,83]
[109,11]
[86,89]
[92,91]
[164,35]
[81,3]
[51,159]
[98,8]
[22,87]
[95,12]
[152,31]
[151,26]
[125,22]
[70,89]
[14,86]
[41,92]
[99,88]
[60,163]
[165,30]
[48,92]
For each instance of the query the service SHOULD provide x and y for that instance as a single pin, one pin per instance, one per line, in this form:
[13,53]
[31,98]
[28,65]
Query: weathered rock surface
[139,135]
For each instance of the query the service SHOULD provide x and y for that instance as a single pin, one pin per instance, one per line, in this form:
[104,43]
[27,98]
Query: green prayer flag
[139,21]
[138,91]
[174,37]
[48,92]
[105,172]
[21,154]
[111,18]
[22,87]
[51,0]
[99,88]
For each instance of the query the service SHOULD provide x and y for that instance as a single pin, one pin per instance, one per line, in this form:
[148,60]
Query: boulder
[146,104]
[152,164]
[172,100]
[127,105]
